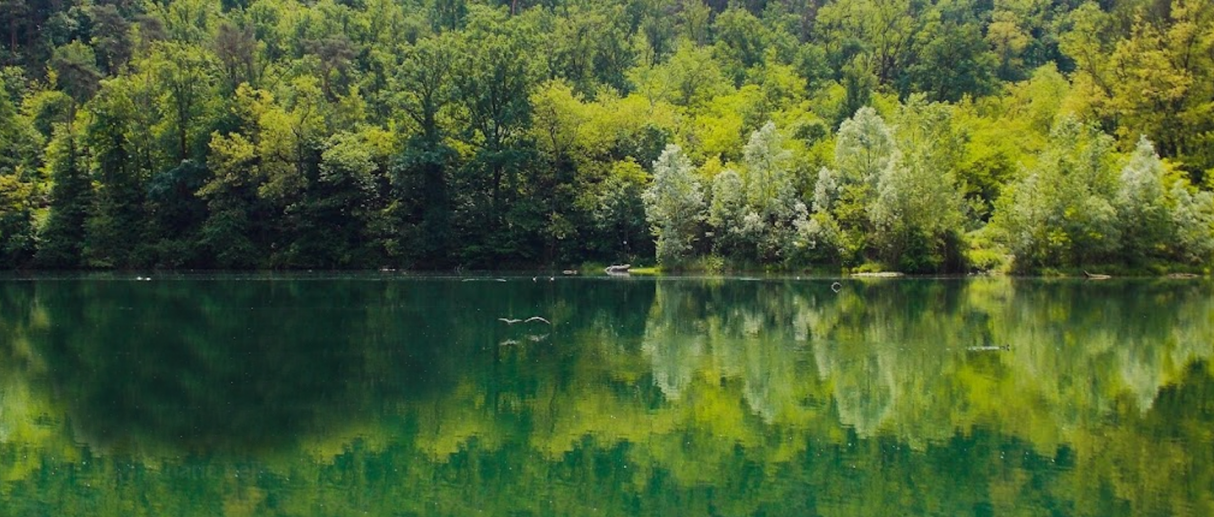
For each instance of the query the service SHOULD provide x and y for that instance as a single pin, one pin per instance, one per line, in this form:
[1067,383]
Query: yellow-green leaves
[1062,212]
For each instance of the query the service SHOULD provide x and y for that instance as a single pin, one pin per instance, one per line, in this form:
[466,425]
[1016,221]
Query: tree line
[923,136]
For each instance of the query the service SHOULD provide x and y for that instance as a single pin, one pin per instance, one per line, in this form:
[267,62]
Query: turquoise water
[399,395]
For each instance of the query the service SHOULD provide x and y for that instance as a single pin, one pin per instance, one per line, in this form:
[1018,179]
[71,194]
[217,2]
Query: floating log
[1096,276]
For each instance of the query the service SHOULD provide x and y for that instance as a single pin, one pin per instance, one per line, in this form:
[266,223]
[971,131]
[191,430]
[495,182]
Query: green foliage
[116,224]
[690,79]
[773,215]
[741,42]
[177,213]
[674,206]
[727,212]
[917,213]
[45,109]
[455,133]
[865,151]
[19,181]
[1150,74]
[1061,213]
[1193,217]
[61,240]
[188,97]
[424,83]
[1141,206]
[619,213]
[75,69]
[954,60]
[591,48]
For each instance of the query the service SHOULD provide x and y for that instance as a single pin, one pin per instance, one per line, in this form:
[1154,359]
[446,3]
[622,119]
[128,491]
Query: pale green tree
[1061,212]
[768,176]
[1141,209]
[726,211]
[674,206]
[1193,220]
[865,151]
[864,148]
[916,214]
[772,210]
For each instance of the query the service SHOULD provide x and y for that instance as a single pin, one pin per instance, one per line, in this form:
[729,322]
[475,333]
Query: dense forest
[915,135]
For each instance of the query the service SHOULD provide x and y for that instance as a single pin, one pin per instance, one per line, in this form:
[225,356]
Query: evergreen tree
[61,241]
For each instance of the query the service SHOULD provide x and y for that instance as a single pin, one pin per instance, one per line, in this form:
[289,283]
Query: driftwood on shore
[1093,276]
[879,274]
[1182,275]
[989,348]
[618,269]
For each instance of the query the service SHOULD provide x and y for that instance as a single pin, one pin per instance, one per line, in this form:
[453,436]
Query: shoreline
[554,274]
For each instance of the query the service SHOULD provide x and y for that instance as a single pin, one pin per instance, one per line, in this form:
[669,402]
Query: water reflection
[674,396]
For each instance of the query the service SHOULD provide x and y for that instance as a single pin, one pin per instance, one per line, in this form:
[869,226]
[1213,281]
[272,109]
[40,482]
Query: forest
[922,136]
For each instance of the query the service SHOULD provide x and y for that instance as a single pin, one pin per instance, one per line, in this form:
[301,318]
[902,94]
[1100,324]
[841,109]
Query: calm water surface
[390,395]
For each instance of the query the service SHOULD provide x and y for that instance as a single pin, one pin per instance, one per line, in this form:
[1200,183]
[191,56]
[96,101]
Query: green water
[392,395]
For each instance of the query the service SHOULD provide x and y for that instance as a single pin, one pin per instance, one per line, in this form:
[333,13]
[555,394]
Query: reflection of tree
[1180,424]
[1079,348]
[888,352]
[674,340]
[222,364]
[667,397]
[169,362]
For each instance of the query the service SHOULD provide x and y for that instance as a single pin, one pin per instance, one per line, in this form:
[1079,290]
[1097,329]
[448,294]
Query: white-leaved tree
[1192,218]
[769,190]
[772,213]
[916,212]
[1061,213]
[674,205]
[726,212]
[865,151]
[1141,205]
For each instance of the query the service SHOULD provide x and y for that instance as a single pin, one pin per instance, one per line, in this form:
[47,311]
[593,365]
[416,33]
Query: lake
[405,395]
